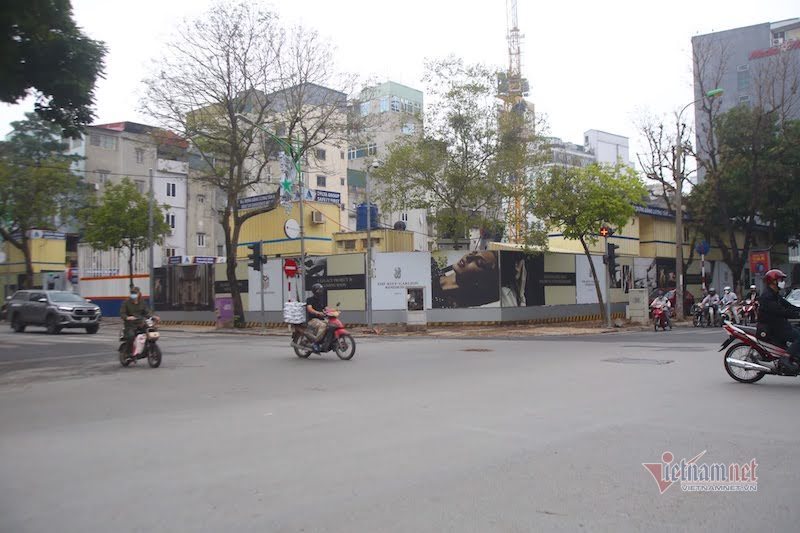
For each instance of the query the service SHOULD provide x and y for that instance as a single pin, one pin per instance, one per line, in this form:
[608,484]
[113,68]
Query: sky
[590,64]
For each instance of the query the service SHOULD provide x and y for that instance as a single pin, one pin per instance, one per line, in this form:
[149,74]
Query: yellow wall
[46,254]
[383,240]
[269,227]
[627,239]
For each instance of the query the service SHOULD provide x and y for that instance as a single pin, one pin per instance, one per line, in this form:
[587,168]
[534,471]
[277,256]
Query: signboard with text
[759,262]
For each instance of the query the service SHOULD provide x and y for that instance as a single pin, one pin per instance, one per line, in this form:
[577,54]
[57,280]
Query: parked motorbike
[144,343]
[750,311]
[336,337]
[749,359]
[660,318]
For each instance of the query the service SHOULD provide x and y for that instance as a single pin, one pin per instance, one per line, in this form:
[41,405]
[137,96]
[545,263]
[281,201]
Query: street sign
[702,248]
[262,201]
[759,262]
[290,268]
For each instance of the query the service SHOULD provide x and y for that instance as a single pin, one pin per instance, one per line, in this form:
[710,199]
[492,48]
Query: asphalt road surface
[235,433]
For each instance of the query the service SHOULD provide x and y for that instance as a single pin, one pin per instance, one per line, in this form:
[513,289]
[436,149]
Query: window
[341,154]
[139,185]
[220,250]
[107,142]
[341,182]
[201,198]
[364,108]
[404,217]
[408,128]
[350,244]
[140,155]
[170,220]
[321,181]
[320,154]
[372,149]
[102,175]
[170,252]
[744,99]
[384,104]
[362,151]
[743,78]
[171,189]
[395,103]
[201,240]
[685,234]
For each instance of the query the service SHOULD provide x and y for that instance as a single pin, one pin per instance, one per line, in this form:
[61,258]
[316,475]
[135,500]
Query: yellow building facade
[48,254]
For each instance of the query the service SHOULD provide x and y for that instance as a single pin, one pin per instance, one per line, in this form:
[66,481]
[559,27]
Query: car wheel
[17,325]
[92,329]
[52,325]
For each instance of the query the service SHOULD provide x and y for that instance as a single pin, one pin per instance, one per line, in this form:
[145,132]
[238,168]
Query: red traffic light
[605,231]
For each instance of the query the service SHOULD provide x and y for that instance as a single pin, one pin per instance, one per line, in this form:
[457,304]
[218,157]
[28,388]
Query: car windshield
[794,295]
[63,297]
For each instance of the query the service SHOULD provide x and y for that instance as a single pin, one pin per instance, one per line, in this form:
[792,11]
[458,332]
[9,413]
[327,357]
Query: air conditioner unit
[317,218]
[777,42]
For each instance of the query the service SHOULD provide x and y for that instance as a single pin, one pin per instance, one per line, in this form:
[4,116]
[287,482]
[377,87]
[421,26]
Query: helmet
[752,287]
[773,275]
[727,289]
[317,288]
[712,290]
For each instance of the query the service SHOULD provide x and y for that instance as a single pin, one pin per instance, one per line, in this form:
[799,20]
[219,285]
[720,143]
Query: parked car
[55,310]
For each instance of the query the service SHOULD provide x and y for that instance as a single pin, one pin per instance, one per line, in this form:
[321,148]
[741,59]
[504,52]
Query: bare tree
[233,61]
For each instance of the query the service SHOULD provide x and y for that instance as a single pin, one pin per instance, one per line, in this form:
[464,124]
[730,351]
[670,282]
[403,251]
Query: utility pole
[261,275]
[369,251]
[150,240]
[679,223]
[608,276]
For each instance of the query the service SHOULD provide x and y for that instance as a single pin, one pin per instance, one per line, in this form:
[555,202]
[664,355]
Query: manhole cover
[638,361]
[476,350]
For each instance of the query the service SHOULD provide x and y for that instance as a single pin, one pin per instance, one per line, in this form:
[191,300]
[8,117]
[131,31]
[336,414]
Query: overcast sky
[591,65]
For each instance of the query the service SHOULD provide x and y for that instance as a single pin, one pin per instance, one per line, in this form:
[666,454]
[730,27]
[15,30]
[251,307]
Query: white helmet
[752,287]
[727,289]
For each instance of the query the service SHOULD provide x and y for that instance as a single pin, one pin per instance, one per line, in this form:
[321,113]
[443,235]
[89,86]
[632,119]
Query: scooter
[749,358]
[660,318]
[144,344]
[336,337]
[750,311]
[726,313]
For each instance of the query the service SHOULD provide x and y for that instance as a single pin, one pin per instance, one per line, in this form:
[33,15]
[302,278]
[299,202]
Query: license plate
[85,319]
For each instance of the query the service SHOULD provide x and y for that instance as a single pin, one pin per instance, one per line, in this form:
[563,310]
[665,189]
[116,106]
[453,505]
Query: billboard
[461,280]
[395,273]
[586,292]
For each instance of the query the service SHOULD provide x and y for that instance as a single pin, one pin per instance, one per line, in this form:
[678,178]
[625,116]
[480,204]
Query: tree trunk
[231,246]
[26,252]
[596,281]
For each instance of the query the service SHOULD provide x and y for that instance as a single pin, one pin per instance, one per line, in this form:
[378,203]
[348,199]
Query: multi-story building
[754,65]
[113,152]
[205,235]
[391,112]
[607,147]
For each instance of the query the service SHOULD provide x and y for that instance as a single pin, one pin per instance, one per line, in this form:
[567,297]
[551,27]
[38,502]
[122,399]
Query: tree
[578,201]
[120,221]
[752,182]
[458,170]
[37,188]
[233,61]
[43,49]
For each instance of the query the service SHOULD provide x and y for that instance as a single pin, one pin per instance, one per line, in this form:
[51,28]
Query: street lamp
[678,176]
[290,150]
[374,165]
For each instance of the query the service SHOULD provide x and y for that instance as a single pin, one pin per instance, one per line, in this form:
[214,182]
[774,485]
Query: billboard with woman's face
[465,279]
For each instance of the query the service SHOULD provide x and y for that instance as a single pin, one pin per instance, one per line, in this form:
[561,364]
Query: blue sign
[703,247]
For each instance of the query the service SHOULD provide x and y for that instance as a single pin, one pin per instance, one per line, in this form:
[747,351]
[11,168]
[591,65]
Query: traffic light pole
[263,318]
[608,291]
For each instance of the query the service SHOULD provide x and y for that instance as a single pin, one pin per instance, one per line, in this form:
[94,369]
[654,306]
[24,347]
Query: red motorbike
[660,318]
[336,338]
[749,358]
[749,311]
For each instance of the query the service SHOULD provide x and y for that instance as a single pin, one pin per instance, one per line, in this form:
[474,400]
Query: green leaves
[577,201]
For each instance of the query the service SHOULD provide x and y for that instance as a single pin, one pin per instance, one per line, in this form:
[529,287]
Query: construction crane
[512,89]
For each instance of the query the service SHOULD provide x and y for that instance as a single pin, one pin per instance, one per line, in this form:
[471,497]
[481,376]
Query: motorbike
[660,318]
[144,343]
[336,337]
[748,359]
[698,317]
[750,311]
[711,317]
[726,312]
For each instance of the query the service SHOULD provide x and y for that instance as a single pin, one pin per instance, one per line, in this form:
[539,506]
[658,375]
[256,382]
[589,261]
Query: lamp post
[290,150]
[150,201]
[374,165]
[679,177]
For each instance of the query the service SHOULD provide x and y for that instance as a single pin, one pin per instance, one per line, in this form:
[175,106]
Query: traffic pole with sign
[608,276]
[261,275]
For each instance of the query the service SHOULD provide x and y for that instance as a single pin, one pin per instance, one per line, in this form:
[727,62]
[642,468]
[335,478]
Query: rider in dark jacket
[773,312]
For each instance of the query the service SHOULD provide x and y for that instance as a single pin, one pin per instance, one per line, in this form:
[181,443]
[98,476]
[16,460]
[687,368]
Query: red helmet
[773,276]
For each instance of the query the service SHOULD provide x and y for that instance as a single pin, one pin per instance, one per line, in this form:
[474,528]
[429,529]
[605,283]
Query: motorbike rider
[315,313]
[729,298]
[773,312]
[662,301]
[752,296]
[711,302]
[134,308]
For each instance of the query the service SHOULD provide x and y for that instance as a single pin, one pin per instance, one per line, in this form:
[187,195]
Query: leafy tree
[42,48]
[578,201]
[120,221]
[37,188]
[458,170]
[233,61]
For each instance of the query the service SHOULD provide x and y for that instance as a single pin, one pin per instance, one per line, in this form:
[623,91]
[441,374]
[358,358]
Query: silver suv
[53,309]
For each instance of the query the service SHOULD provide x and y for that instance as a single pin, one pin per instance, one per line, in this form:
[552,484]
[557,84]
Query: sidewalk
[464,330]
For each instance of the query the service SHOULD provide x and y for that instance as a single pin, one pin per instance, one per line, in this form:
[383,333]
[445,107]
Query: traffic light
[256,259]
[611,261]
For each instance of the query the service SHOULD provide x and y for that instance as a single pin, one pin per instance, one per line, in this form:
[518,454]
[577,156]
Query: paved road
[236,434]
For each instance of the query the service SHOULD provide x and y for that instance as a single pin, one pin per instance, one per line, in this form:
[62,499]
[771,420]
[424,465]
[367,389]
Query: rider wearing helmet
[729,298]
[773,312]
[753,294]
[661,300]
[711,301]
[315,306]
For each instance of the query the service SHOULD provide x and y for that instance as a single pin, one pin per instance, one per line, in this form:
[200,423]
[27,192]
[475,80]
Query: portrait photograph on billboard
[465,279]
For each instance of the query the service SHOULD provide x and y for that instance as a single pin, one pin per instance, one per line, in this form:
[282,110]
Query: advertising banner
[759,262]
[272,272]
[586,293]
[395,273]
[465,279]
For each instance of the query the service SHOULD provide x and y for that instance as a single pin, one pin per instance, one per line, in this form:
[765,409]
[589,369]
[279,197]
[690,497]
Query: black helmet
[317,288]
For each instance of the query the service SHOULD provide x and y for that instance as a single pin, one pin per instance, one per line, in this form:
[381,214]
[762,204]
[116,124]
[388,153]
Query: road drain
[477,350]
[639,361]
